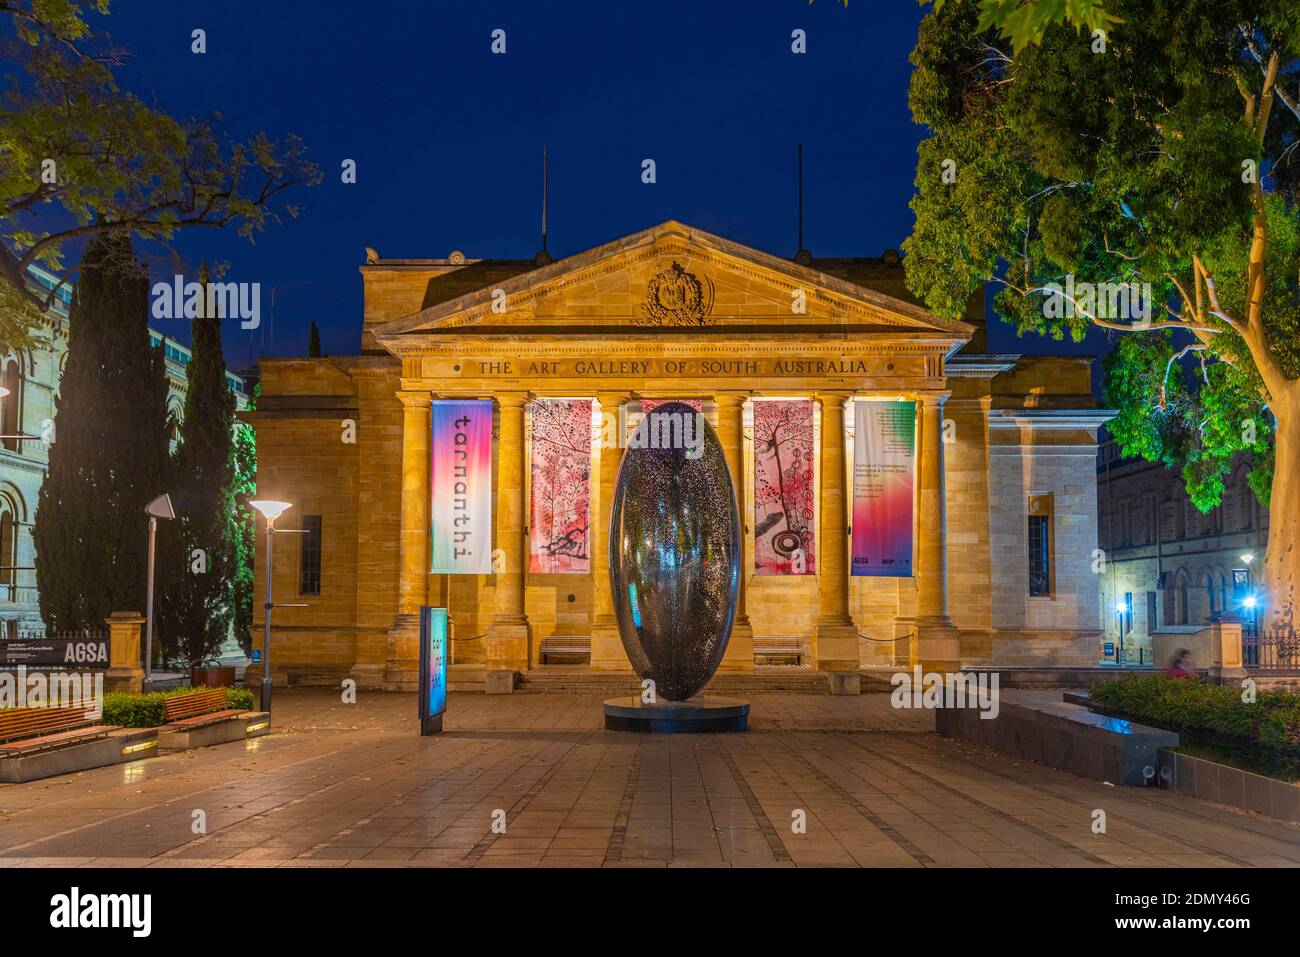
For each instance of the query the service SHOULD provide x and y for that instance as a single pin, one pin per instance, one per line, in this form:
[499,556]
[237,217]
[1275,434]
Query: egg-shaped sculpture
[674,551]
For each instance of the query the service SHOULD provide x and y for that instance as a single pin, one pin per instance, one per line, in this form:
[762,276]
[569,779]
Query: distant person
[1182,666]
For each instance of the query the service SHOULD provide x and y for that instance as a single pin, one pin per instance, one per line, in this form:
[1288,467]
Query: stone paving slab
[818,781]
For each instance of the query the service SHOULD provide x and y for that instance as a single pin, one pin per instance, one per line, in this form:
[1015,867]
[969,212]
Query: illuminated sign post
[433,669]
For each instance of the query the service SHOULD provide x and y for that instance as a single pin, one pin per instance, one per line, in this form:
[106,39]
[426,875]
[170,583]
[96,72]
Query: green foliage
[1269,727]
[244,526]
[146,710]
[109,457]
[198,558]
[1118,166]
[119,163]
[1025,21]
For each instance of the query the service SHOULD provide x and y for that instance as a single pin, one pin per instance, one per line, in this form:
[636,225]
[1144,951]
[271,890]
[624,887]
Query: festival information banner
[433,668]
[561,487]
[784,531]
[884,460]
[460,480]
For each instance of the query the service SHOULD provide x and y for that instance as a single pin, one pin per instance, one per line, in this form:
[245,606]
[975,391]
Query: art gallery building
[999,520]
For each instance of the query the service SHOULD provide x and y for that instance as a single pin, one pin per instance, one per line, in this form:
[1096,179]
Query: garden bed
[146,710]
[1213,721]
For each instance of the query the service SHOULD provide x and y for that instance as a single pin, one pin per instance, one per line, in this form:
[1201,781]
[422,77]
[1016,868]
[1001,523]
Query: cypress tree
[109,455]
[313,342]
[197,601]
[244,525]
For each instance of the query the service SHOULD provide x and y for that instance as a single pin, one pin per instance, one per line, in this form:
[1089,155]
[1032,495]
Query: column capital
[731,399]
[935,399]
[414,399]
[838,396]
[513,400]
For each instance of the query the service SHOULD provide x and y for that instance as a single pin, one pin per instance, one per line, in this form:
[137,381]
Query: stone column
[607,652]
[509,637]
[739,655]
[401,672]
[124,672]
[938,644]
[835,635]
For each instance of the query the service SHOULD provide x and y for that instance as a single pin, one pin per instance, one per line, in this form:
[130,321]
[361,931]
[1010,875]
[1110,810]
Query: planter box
[223,677]
[246,724]
[119,746]
[1223,784]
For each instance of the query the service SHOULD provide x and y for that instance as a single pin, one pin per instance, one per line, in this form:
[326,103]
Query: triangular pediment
[677,279]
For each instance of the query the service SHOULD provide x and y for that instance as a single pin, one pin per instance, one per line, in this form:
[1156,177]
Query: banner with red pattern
[561,487]
[785,535]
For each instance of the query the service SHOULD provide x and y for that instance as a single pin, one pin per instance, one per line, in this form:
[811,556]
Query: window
[1151,613]
[8,549]
[11,404]
[309,556]
[1040,545]
[1128,612]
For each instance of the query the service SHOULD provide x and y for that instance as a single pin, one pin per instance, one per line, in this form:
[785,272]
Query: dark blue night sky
[448,137]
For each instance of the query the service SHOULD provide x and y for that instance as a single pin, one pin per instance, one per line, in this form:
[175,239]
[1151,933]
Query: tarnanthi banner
[460,477]
[561,486]
[784,532]
[884,473]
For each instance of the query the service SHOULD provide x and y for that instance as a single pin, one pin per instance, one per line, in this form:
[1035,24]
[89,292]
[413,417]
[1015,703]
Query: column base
[845,682]
[128,680]
[937,644]
[508,641]
[499,681]
[835,645]
[739,656]
[402,669]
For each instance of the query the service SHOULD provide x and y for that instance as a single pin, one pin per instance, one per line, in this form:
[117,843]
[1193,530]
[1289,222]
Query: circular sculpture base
[703,713]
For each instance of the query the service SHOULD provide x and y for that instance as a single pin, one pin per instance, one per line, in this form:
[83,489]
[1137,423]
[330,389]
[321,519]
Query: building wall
[1174,560]
[23,468]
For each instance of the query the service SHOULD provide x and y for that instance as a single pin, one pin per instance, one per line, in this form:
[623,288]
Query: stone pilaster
[835,635]
[938,646]
[607,652]
[401,672]
[509,637]
[739,655]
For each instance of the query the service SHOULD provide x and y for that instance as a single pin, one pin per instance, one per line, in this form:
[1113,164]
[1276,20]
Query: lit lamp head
[270,510]
[1248,558]
[1121,607]
[1249,601]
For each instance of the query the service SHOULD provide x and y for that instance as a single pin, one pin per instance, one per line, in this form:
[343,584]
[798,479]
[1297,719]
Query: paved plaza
[339,785]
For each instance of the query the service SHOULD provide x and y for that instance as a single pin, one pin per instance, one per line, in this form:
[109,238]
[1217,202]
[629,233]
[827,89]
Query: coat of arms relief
[675,297]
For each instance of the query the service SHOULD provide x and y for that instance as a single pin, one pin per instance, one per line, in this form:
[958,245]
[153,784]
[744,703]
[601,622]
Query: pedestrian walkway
[534,780]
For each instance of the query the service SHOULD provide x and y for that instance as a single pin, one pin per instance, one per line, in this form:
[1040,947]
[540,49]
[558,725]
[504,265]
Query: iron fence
[1262,652]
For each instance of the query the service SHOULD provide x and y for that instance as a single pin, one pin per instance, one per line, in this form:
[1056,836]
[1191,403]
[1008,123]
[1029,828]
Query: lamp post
[271,510]
[160,507]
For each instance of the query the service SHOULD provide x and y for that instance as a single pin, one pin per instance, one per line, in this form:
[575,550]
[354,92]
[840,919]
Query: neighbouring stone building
[1005,480]
[1169,565]
[32,380]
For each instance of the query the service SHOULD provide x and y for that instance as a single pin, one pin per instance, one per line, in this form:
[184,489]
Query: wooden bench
[27,730]
[779,648]
[197,709]
[566,646]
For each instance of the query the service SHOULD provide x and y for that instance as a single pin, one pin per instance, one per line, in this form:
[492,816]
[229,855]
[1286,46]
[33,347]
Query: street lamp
[161,507]
[271,510]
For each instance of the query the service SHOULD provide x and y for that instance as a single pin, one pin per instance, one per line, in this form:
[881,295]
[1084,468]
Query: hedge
[1268,728]
[146,710]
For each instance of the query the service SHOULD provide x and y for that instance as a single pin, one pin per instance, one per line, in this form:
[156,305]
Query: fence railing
[1270,652]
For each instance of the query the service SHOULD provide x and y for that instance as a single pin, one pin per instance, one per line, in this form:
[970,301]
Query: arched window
[11,403]
[1209,591]
[8,548]
[1180,599]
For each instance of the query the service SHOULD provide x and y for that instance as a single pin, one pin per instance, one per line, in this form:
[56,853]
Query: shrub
[1269,727]
[146,710]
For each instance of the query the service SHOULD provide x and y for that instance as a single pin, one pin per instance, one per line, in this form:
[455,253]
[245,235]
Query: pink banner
[884,468]
[460,481]
[784,531]
[561,486]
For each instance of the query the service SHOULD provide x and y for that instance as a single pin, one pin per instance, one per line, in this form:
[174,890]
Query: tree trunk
[1282,564]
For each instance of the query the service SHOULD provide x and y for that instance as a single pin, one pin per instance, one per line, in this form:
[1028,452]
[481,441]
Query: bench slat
[18,723]
[190,705]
